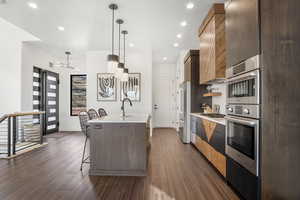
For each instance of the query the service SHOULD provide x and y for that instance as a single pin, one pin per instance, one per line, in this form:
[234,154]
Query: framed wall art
[78,94]
[131,88]
[106,87]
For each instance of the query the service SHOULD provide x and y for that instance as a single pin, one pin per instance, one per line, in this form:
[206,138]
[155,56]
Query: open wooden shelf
[212,94]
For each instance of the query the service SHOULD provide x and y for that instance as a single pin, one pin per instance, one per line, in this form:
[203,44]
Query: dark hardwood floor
[176,172]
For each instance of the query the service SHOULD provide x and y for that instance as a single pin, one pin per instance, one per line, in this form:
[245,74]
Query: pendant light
[112,59]
[126,71]
[66,65]
[120,68]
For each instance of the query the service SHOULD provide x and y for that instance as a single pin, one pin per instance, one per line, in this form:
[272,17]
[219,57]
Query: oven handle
[240,121]
[242,77]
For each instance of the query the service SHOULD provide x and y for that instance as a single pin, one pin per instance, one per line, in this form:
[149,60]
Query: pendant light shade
[120,68]
[112,59]
[125,71]
[125,75]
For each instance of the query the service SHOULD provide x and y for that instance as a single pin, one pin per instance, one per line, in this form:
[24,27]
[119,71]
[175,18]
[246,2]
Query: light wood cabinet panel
[219,161]
[212,46]
[207,52]
[198,144]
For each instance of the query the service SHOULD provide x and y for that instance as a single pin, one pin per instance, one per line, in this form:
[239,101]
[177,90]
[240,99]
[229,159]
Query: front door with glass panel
[51,101]
[46,98]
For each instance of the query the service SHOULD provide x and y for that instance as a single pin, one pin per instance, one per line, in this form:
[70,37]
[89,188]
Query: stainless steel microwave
[243,82]
[244,89]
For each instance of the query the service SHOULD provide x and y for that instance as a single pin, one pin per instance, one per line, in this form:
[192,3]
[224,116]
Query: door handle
[155,107]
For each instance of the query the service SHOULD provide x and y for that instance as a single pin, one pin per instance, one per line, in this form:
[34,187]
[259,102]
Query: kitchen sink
[213,115]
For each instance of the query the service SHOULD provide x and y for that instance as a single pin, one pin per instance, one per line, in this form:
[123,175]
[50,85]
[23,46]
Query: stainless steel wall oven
[242,142]
[243,114]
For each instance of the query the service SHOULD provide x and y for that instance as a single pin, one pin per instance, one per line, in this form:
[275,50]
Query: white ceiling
[88,23]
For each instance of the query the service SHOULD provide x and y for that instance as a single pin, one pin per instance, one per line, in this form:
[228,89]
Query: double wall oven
[243,114]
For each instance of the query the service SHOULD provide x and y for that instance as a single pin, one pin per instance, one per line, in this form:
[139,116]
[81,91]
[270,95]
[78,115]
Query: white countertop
[217,120]
[117,118]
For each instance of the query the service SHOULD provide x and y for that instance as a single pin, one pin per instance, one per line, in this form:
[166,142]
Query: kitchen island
[119,146]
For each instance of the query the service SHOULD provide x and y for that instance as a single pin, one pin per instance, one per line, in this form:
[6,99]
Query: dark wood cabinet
[191,75]
[244,182]
[242,30]
[218,139]
[280,129]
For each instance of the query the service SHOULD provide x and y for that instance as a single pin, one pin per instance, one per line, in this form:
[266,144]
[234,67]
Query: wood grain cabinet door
[242,30]
[212,46]
[207,53]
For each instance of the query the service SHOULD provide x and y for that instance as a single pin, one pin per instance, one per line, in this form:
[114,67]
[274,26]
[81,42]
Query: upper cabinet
[212,46]
[242,30]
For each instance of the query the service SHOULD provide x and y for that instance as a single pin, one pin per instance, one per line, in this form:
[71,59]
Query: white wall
[138,61]
[34,55]
[10,65]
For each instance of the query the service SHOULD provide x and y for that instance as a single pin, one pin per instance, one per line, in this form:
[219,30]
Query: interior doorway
[164,99]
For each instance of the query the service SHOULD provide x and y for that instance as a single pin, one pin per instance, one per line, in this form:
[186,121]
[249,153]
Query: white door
[163,93]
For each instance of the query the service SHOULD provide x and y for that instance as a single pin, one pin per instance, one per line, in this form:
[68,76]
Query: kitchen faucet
[123,108]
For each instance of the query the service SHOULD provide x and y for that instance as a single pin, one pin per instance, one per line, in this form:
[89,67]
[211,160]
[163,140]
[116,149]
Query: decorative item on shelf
[206,108]
[131,88]
[120,68]
[106,87]
[124,77]
[66,65]
[112,59]
[212,92]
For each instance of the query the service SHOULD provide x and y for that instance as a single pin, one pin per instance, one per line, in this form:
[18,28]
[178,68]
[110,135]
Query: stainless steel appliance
[184,131]
[243,82]
[243,114]
[242,142]
[191,95]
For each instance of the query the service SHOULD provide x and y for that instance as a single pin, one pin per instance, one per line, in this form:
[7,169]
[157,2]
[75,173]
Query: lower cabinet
[214,153]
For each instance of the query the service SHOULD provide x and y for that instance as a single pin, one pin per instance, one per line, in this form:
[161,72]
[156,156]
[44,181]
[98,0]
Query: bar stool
[93,114]
[102,112]
[84,118]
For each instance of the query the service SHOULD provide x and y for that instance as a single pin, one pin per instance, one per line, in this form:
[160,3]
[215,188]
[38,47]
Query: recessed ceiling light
[131,44]
[183,23]
[61,28]
[179,35]
[32,5]
[175,44]
[190,5]
[165,58]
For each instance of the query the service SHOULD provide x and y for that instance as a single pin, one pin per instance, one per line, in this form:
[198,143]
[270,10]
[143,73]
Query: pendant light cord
[119,40]
[113,31]
[124,48]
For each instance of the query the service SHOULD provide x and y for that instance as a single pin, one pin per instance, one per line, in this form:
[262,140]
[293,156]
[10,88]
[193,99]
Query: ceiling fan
[66,65]
[3,1]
